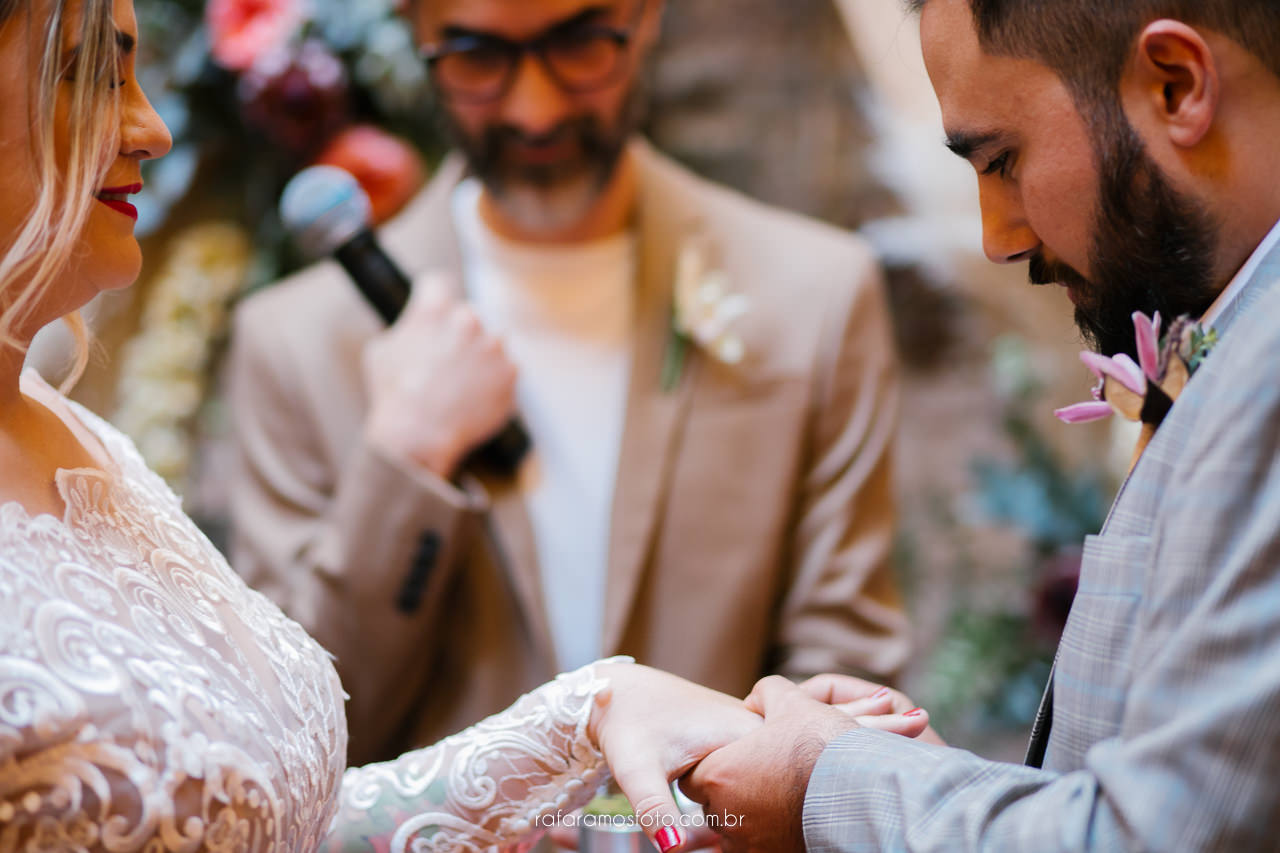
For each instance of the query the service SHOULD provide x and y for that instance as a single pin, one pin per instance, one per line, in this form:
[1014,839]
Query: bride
[148,699]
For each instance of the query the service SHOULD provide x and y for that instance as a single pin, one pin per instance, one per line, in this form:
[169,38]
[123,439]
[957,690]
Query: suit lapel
[1263,280]
[511,537]
[424,239]
[653,416]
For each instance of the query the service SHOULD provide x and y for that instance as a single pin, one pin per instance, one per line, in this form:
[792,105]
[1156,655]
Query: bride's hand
[872,706]
[652,727]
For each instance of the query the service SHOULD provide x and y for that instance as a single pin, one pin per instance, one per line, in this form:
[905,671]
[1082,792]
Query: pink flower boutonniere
[1146,390]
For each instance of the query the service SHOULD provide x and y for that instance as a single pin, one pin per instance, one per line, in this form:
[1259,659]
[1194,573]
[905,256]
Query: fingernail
[667,838]
[914,712]
[881,693]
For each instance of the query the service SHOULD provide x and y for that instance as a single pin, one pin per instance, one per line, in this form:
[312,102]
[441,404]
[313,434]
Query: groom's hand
[753,789]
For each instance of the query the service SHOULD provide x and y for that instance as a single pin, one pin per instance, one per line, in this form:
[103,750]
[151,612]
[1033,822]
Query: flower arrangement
[165,367]
[254,90]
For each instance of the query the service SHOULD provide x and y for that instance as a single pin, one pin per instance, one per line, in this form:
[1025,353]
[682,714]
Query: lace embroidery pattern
[488,786]
[150,701]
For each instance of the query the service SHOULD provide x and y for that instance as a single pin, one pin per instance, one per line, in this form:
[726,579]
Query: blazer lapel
[653,416]
[512,541]
[422,238]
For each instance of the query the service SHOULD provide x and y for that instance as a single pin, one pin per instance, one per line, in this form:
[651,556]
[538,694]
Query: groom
[1129,152]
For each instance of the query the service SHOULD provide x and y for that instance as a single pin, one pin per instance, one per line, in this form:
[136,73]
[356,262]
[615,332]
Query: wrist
[437,456]
[608,672]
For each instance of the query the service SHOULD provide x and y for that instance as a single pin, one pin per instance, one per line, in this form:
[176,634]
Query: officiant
[708,383]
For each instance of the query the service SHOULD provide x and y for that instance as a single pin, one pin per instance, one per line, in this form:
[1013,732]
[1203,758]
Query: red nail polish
[881,693]
[914,712]
[667,838]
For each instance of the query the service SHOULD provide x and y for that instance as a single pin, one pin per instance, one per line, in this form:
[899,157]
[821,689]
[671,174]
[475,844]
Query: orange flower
[388,168]
[242,30]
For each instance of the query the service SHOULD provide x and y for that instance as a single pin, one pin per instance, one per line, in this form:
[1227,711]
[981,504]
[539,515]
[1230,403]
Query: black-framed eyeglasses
[580,55]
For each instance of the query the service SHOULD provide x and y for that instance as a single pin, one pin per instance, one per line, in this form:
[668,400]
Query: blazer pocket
[1093,671]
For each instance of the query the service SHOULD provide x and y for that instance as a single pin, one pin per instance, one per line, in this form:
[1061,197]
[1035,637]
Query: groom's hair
[1087,42]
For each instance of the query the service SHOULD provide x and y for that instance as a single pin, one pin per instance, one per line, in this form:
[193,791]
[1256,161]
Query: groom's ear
[1170,88]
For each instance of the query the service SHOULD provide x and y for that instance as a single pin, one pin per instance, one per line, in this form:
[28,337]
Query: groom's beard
[1153,250]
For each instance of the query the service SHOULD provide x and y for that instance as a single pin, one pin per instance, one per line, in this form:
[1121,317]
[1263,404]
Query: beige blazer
[752,520]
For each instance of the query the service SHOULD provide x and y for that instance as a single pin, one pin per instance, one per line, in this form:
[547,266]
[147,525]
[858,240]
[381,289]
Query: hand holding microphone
[439,384]
[441,389]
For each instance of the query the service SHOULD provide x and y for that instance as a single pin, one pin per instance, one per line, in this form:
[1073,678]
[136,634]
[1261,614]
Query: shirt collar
[1241,280]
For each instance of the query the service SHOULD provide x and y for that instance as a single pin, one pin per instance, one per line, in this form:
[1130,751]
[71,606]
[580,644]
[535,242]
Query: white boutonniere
[704,312]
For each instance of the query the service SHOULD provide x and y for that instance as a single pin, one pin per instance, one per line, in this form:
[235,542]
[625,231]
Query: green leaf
[673,359]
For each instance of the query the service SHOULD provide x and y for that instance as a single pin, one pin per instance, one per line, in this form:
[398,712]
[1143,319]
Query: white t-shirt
[565,315]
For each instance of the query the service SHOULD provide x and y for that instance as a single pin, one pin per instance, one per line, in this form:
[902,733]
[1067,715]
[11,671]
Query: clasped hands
[748,763]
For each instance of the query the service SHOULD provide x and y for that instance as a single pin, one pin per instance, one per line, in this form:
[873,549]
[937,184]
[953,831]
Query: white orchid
[705,311]
[705,306]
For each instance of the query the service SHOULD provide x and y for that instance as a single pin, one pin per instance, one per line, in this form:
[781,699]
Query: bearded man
[714,502]
[1128,151]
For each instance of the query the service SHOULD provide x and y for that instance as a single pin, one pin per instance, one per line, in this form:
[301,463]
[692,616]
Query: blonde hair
[43,247]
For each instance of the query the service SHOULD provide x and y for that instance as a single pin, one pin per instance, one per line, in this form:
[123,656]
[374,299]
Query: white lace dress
[150,701]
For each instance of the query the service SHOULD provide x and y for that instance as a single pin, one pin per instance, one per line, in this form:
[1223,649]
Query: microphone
[327,212]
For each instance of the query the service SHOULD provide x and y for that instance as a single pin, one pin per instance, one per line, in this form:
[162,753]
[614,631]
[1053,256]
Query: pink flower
[1160,372]
[1148,335]
[242,30]
[1121,387]
[1082,413]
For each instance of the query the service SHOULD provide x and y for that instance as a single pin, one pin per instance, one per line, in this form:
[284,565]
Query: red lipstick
[115,198]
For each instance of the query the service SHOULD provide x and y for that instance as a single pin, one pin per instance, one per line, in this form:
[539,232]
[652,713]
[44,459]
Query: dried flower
[297,96]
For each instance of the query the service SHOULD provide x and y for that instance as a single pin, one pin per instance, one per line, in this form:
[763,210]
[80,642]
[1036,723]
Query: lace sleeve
[495,784]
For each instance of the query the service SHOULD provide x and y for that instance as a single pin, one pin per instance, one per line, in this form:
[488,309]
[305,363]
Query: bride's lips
[115,198]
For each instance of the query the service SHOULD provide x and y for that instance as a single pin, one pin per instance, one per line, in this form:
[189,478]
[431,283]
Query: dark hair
[1087,42]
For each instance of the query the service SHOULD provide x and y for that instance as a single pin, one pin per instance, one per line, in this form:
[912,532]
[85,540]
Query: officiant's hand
[653,727]
[438,383]
[754,788]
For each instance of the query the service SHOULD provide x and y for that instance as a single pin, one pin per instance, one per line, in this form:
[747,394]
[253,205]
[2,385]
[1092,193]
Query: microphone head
[323,207]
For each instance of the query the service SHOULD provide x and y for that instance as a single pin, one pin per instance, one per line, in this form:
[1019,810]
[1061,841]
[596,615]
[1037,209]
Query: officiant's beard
[1153,249]
[551,197]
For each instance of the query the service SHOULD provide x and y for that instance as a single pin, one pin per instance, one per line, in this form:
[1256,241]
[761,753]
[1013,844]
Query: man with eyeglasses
[714,501]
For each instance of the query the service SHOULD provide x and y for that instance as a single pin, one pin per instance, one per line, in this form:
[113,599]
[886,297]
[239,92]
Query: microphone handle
[387,289]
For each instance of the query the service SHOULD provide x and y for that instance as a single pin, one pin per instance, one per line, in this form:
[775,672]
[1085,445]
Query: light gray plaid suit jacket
[1166,711]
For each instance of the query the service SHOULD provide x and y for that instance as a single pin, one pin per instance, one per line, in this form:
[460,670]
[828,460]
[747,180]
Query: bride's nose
[143,134]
